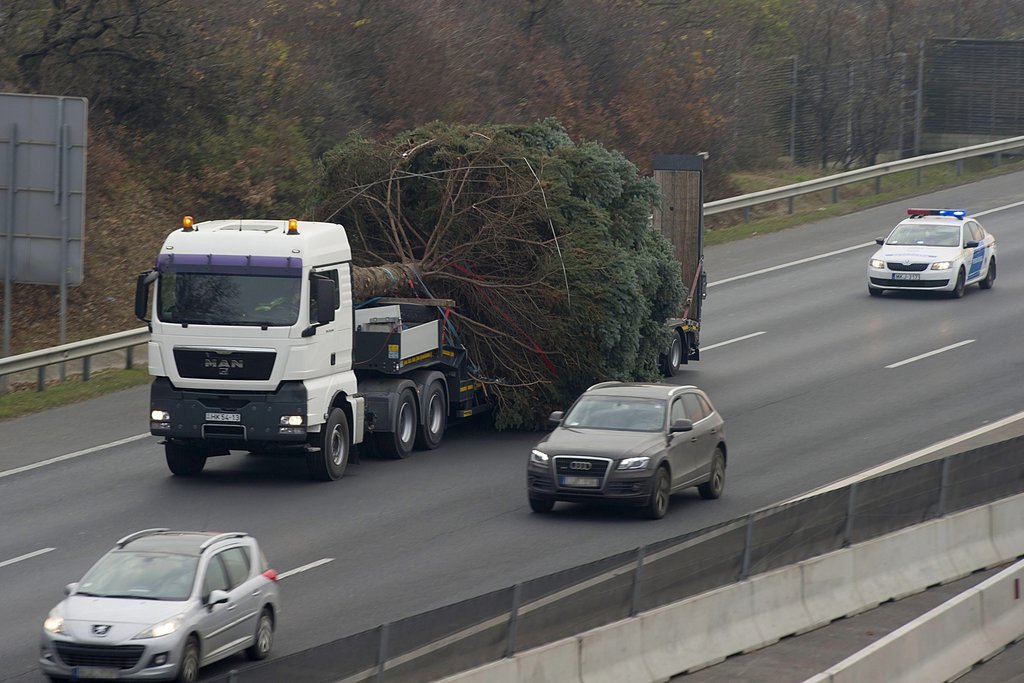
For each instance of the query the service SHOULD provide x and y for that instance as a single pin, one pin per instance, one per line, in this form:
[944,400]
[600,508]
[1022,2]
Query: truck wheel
[673,358]
[329,462]
[184,461]
[435,419]
[398,444]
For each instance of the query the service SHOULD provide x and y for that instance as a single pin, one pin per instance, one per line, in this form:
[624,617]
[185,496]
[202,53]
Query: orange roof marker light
[186,223]
[293,226]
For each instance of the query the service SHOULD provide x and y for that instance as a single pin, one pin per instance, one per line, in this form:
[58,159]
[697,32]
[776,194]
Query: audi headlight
[877,263]
[634,463]
[163,628]
[942,265]
[54,623]
[539,457]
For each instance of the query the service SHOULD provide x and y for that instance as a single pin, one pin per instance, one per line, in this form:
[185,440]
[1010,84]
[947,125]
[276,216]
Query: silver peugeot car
[160,605]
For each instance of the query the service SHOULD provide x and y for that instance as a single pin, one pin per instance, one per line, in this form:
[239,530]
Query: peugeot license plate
[223,417]
[581,482]
[95,672]
[906,276]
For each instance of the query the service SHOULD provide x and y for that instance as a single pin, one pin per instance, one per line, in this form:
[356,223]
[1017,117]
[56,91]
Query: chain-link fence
[473,632]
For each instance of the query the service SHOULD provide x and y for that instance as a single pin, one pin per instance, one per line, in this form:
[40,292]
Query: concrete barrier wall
[945,642]
[703,630]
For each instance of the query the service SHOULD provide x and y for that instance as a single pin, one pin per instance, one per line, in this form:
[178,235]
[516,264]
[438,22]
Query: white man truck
[258,345]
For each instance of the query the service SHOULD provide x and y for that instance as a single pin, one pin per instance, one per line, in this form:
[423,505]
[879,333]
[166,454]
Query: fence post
[635,598]
[878,184]
[835,195]
[513,619]
[997,158]
[85,368]
[748,547]
[850,506]
[130,358]
[792,123]
[40,378]
[919,104]
[943,483]
[746,214]
[382,651]
[233,676]
[790,202]
[920,175]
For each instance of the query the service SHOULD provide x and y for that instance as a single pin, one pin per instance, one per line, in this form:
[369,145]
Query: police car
[940,250]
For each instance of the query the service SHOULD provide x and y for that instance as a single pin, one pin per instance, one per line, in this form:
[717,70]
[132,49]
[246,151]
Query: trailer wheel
[329,461]
[398,444]
[435,419]
[672,359]
[184,461]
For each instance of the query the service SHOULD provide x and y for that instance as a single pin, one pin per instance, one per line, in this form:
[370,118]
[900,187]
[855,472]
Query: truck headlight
[634,463]
[164,628]
[877,263]
[159,416]
[539,457]
[942,265]
[292,420]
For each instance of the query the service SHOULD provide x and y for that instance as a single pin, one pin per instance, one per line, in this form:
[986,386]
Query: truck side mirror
[142,284]
[326,302]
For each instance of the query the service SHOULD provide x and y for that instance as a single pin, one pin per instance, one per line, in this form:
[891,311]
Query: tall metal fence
[486,628]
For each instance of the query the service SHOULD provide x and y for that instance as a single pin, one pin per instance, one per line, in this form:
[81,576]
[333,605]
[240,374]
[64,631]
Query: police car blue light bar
[955,213]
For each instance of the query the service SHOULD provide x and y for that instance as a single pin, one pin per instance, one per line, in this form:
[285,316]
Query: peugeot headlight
[634,463]
[539,457]
[54,622]
[877,263]
[163,628]
[942,265]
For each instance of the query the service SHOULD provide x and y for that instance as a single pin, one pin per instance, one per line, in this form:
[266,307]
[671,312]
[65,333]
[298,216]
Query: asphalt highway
[796,358]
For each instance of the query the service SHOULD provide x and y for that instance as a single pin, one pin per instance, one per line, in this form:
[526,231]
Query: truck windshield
[211,298]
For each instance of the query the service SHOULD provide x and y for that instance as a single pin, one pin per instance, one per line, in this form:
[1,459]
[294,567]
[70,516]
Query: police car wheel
[990,277]
[958,289]
[874,291]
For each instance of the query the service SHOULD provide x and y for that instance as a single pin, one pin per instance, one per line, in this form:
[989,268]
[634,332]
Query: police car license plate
[906,276]
[95,672]
[581,482]
[223,417]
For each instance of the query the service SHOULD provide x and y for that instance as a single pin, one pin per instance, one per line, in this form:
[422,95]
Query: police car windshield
[623,413]
[925,235]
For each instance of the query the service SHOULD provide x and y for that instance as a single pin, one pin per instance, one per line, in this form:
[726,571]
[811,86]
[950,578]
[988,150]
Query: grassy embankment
[764,219]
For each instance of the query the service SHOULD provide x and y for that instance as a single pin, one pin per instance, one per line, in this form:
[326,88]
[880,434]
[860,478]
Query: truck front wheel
[328,462]
[184,461]
[398,443]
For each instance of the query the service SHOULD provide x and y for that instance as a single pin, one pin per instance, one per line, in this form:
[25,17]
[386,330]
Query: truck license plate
[906,276]
[223,417]
[582,482]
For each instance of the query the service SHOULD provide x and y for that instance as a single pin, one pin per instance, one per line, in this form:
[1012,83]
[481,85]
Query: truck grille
[108,656]
[207,364]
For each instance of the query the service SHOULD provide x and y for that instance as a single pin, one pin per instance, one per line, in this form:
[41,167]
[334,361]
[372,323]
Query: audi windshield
[622,413]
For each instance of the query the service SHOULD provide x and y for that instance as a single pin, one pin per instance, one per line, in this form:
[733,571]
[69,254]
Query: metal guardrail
[126,340]
[84,349]
[835,181]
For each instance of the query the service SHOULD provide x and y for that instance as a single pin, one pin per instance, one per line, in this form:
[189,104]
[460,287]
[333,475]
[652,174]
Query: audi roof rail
[220,537]
[138,534]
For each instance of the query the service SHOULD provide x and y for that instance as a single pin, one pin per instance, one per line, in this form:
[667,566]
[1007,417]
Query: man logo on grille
[101,629]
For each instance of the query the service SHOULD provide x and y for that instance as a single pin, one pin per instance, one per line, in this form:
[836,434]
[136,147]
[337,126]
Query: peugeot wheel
[188,672]
[264,638]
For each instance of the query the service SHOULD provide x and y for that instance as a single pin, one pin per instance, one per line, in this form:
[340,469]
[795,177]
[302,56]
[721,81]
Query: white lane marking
[791,264]
[26,556]
[304,568]
[839,251]
[931,353]
[998,208]
[70,456]
[910,457]
[732,341]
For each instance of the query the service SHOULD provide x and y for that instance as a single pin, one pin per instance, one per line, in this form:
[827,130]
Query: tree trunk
[393,279]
